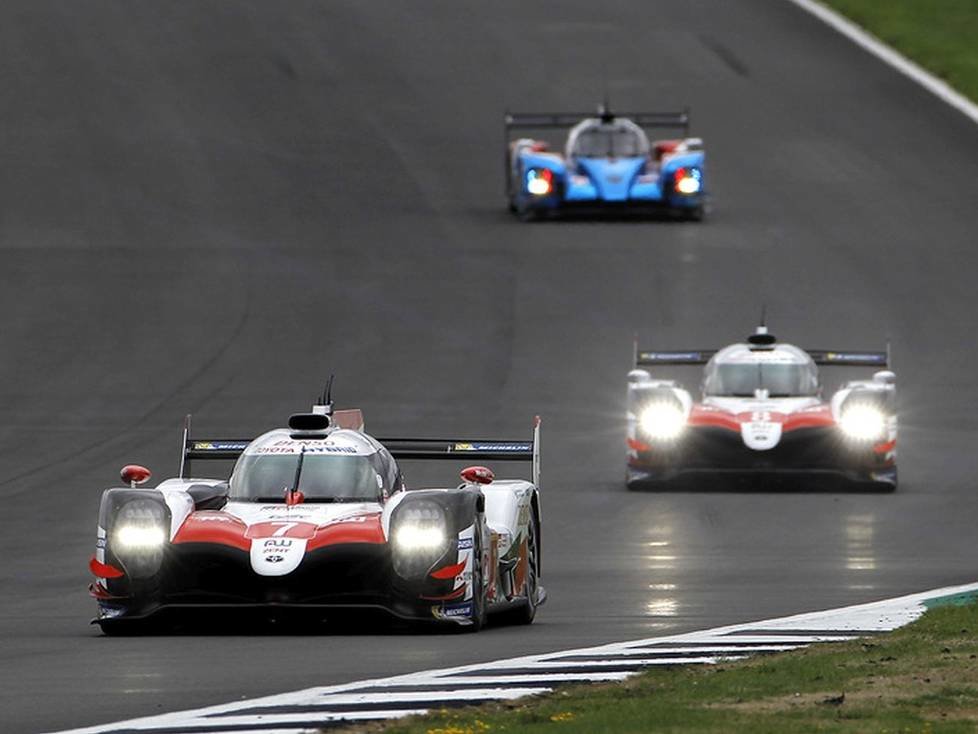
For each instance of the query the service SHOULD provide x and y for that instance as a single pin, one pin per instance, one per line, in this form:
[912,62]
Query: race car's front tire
[127,627]
[889,484]
[478,587]
[527,609]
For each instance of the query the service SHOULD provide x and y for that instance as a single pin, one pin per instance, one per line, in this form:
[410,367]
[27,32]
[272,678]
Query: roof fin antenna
[324,404]
[761,338]
[604,109]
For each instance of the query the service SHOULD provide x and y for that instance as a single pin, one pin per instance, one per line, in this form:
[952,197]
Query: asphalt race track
[207,207]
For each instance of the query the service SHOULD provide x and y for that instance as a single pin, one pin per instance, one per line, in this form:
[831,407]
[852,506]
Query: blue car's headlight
[688,181]
[540,181]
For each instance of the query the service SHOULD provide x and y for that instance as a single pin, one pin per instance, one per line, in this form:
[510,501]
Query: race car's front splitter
[335,582]
[802,459]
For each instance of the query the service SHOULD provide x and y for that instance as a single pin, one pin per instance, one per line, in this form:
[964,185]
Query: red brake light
[133,474]
[477,475]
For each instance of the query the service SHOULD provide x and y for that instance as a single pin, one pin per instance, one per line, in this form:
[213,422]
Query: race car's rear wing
[850,359]
[400,448]
[689,356]
[464,450]
[820,356]
[553,120]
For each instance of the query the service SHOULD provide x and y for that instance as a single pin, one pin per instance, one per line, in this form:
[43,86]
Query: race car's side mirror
[477,475]
[884,377]
[133,474]
[638,376]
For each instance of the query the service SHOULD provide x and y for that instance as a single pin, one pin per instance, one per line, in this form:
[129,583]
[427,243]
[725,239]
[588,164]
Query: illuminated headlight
[863,423]
[689,181]
[411,538]
[138,536]
[419,537]
[662,421]
[539,181]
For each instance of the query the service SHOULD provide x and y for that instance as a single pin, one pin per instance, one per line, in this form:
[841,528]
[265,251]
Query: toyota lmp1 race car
[609,164]
[316,517]
[762,413]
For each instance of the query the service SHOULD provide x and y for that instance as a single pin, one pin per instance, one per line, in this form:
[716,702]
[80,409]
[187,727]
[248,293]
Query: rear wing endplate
[400,448]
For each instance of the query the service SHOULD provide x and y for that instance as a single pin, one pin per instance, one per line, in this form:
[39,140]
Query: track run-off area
[210,207]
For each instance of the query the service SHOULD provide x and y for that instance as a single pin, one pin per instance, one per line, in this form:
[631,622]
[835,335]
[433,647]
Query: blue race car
[609,163]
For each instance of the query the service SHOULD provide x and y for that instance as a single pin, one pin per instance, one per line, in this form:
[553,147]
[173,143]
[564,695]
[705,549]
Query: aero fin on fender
[104,570]
[448,572]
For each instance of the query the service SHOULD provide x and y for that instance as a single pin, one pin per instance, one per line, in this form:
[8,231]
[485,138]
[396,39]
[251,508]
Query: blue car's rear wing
[401,448]
[553,120]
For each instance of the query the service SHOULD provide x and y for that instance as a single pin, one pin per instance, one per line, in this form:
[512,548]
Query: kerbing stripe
[891,56]
[387,698]
[543,680]
[381,701]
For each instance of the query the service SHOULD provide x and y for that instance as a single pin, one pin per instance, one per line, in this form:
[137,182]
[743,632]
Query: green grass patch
[921,678]
[940,35]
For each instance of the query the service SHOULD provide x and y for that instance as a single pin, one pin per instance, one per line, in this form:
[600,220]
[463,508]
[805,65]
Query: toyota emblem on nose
[274,559]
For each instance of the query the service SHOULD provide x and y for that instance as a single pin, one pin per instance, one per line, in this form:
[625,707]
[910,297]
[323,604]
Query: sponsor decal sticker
[219,445]
[464,543]
[493,447]
[453,611]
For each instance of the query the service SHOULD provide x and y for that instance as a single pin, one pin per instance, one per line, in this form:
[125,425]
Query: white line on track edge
[890,56]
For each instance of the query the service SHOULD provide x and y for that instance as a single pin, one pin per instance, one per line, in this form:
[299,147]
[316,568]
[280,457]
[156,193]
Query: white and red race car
[762,412]
[315,519]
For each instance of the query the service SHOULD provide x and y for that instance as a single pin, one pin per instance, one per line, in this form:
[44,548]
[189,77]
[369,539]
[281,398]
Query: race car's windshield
[608,143]
[780,380]
[264,478]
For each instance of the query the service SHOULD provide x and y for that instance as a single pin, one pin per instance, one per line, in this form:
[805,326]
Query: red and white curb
[315,709]
[890,56]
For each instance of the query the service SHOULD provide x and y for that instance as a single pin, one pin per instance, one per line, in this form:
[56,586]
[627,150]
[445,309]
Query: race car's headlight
[863,423]
[419,537]
[662,421]
[540,181]
[138,536]
[688,181]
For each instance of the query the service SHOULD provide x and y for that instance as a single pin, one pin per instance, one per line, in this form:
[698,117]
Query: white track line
[890,56]
[499,679]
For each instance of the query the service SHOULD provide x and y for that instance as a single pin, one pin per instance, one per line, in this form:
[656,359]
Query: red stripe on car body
[449,572]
